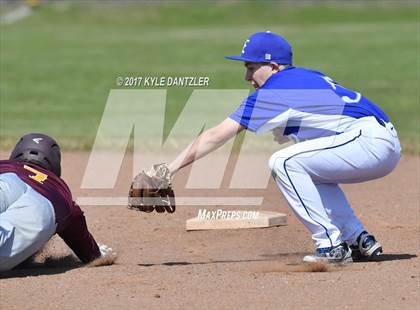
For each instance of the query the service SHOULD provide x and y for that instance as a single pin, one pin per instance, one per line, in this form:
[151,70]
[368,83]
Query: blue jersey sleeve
[243,113]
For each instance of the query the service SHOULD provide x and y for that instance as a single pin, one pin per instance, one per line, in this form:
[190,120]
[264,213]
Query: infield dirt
[162,266]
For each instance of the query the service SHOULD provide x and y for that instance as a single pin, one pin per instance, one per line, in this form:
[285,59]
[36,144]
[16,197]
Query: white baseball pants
[308,174]
[27,221]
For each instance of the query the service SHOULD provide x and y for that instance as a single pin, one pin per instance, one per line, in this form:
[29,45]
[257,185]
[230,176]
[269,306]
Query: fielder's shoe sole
[340,254]
[316,259]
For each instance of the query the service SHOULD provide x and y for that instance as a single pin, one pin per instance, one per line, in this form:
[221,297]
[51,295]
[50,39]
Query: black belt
[380,121]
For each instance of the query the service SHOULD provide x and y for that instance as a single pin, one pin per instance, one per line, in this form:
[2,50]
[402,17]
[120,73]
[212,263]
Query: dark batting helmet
[40,150]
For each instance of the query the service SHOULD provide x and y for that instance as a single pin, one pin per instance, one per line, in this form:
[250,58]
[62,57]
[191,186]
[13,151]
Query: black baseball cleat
[366,247]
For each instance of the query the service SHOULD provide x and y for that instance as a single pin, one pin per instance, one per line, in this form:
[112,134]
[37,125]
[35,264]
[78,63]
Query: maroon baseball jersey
[71,223]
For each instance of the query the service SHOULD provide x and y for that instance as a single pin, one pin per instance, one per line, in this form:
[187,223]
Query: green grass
[58,65]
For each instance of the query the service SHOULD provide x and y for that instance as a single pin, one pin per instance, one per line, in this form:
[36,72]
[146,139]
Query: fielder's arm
[205,143]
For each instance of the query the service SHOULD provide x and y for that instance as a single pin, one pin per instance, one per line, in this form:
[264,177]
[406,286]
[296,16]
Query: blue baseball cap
[265,47]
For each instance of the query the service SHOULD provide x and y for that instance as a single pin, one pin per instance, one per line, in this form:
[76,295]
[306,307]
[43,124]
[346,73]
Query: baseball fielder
[342,137]
[35,203]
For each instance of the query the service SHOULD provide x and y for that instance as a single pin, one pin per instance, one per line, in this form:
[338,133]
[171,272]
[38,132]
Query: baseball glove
[152,191]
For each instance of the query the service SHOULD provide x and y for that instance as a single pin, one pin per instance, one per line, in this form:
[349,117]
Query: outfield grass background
[58,65]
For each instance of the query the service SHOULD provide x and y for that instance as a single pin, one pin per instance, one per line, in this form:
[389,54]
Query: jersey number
[38,176]
[346,99]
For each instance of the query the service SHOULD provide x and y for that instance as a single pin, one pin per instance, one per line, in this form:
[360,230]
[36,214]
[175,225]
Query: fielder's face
[258,73]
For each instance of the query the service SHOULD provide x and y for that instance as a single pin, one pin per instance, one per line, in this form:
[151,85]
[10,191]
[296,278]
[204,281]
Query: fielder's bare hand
[279,137]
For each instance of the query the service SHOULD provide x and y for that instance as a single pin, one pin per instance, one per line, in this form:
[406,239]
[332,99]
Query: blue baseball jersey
[306,104]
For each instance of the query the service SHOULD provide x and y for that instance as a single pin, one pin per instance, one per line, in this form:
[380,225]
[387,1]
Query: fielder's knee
[276,163]
[280,164]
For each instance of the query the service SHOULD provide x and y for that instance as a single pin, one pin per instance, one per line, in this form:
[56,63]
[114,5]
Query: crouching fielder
[341,136]
[35,203]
